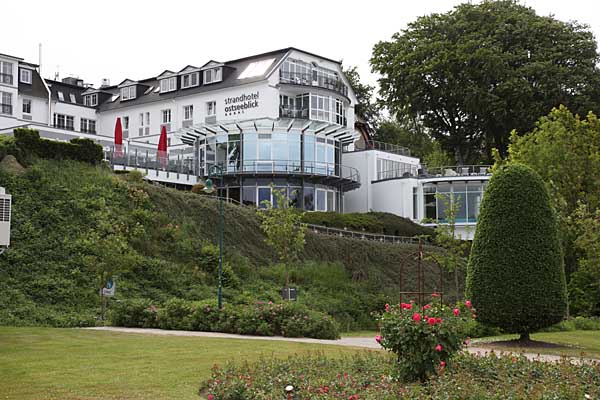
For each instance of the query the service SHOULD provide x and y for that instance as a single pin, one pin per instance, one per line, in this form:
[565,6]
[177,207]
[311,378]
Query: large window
[388,169]
[88,125]
[64,122]
[189,80]
[25,76]
[168,84]
[26,106]
[188,113]
[166,116]
[128,93]
[320,107]
[465,197]
[5,103]
[213,75]
[319,155]
[6,72]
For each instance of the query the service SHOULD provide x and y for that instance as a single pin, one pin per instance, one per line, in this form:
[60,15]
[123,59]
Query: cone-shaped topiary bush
[515,274]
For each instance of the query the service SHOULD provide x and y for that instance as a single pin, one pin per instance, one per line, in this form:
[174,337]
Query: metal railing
[402,171]
[459,170]
[376,237]
[382,146]
[314,168]
[285,112]
[6,78]
[151,161]
[297,78]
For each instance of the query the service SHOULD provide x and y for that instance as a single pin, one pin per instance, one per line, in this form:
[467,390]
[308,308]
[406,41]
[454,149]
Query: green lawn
[576,343]
[49,363]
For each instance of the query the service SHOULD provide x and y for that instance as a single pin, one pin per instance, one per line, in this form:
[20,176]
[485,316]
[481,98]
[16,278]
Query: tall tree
[477,72]
[419,143]
[565,150]
[515,275]
[365,107]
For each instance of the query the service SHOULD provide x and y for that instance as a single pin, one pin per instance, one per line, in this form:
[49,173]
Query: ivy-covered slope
[72,220]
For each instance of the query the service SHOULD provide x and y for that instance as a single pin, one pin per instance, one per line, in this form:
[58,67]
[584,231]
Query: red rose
[435,295]
[456,312]
[387,307]
[211,397]
[468,303]
[442,364]
[416,317]
[438,347]
[431,321]
[426,306]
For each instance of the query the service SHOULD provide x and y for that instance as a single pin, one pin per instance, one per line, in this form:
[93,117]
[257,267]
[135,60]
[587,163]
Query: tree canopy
[481,70]
[365,107]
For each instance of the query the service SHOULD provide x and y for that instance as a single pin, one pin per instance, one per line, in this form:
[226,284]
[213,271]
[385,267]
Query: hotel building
[283,118]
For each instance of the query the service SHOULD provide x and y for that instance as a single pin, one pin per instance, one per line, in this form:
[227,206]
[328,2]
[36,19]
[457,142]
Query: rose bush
[424,338]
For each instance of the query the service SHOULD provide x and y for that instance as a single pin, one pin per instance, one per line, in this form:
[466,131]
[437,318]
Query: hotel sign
[240,104]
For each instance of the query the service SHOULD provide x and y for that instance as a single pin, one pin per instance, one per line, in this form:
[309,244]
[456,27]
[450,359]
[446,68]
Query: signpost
[107,291]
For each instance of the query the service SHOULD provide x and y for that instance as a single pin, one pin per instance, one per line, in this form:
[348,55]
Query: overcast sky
[139,39]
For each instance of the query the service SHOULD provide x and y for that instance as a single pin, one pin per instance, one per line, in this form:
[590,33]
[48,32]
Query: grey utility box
[5,208]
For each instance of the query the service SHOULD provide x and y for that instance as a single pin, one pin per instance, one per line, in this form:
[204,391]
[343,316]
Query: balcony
[6,78]
[295,78]
[304,113]
[6,109]
[457,170]
[381,146]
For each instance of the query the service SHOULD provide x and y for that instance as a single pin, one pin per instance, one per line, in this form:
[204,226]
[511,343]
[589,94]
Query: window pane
[249,196]
[430,206]
[309,199]
[321,205]
[264,194]
[330,202]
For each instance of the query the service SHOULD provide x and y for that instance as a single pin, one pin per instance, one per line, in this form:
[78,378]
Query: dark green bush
[138,313]
[515,275]
[372,222]
[30,146]
[287,319]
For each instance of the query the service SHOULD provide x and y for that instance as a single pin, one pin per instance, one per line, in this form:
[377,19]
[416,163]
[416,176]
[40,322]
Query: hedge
[29,146]
[372,222]
[515,275]
[264,319]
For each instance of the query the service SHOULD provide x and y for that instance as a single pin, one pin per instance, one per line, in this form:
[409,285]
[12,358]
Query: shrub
[423,338]
[30,146]
[515,274]
[576,324]
[135,313]
[288,319]
[366,376]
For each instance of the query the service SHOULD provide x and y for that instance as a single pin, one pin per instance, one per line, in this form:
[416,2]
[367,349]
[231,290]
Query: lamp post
[217,172]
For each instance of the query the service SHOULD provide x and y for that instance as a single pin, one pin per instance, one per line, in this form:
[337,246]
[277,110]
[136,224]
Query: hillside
[62,207]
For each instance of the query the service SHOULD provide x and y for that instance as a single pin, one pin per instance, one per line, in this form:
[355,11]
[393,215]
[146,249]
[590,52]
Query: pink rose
[442,364]
[416,317]
[211,397]
[468,303]
[431,321]
[426,306]
[438,347]
[435,295]
[438,320]
[378,339]
[456,312]
[387,307]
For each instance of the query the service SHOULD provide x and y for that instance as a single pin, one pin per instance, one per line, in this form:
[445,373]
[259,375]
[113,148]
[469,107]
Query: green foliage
[423,338]
[515,274]
[62,209]
[29,146]
[475,73]
[283,228]
[365,108]
[372,222]
[437,157]
[576,324]
[565,150]
[259,318]
[366,376]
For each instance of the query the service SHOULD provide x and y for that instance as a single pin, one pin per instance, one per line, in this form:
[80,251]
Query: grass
[52,363]
[575,343]
[360,334]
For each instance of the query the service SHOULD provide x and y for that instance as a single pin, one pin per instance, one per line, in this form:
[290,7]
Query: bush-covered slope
[61,211]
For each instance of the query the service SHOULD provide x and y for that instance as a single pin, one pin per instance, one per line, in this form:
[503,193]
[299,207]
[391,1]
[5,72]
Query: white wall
[39,109]
[74,110]
[363,198]
[394,196]
[268,106]
[11,120]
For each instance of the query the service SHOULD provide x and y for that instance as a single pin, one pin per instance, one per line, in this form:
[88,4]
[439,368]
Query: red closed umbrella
[118,138]
[162,147]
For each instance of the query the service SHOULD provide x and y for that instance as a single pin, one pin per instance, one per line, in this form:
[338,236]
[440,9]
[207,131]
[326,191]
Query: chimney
[105,82]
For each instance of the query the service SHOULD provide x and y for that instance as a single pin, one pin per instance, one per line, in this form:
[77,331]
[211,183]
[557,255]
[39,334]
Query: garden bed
[370,375]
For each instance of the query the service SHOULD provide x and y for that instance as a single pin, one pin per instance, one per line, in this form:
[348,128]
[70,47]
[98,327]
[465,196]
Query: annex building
[283,118]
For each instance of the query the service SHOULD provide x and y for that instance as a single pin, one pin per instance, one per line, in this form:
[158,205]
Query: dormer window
[25,76]
[189,80]
[72,98]
[213,75]
[168,84]
[128,93]
[91,100]
[61,96]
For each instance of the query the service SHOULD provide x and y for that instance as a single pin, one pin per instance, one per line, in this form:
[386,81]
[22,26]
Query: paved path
[361,342]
